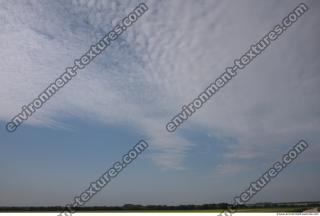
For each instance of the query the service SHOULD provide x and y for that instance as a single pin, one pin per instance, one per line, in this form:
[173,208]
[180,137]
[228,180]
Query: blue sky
[130,91]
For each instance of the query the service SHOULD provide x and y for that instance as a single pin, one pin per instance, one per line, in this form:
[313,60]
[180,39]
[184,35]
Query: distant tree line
[134,207]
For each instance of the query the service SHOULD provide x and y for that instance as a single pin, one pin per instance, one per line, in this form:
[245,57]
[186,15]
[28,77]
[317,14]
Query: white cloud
[162,63]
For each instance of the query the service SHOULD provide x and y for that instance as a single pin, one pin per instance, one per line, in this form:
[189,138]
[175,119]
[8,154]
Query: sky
[139,83]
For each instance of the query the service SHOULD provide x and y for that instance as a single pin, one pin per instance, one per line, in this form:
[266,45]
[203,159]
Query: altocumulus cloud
[163,62]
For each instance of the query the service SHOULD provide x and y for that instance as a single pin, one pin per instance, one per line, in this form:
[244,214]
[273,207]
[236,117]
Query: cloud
[162,63]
